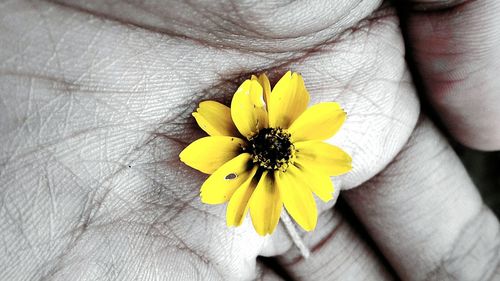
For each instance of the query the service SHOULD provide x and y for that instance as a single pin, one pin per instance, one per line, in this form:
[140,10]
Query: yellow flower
[266,151]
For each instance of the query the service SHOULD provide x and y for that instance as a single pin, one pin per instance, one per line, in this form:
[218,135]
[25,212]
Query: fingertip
[455,48]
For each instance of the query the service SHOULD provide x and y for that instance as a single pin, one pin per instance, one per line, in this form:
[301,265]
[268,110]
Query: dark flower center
[271,148]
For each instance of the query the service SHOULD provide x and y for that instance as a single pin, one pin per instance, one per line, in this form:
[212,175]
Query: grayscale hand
[95,104]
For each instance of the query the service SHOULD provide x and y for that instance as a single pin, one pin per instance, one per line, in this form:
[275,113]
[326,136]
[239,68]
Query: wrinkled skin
[95,108]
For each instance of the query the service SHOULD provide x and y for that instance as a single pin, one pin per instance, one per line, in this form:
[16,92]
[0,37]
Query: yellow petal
[289,99]
[209,153]
[265,205]
[297,197]
[264,82]
[320,184]
[322,157]
[220,186]
[215,119]
[318,122]
[248,109]
[237,207]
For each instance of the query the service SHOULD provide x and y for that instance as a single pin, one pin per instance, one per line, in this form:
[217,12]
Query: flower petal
[320,184]
[322,157]
[289,99]
[221,185]
[248,109]
[318,122]
[297,197]
[209,153]
[215,119]
[264,82]
[237,207]
[265,205]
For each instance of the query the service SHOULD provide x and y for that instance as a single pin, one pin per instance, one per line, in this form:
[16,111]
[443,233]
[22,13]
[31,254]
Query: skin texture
[455,47]
[95,108]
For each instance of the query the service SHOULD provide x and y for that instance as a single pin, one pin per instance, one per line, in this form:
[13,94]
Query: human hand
[96,103]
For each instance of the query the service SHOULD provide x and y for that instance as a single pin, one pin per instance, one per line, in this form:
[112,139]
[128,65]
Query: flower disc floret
[272,149]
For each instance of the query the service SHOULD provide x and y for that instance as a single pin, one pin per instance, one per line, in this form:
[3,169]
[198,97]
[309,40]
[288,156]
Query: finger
[426,216]
[338,252]
[456,48]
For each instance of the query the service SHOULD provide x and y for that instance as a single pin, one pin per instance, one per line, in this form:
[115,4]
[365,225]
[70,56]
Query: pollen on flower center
[272,149]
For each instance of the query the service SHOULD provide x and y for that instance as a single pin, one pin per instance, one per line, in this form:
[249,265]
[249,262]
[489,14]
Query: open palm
[96,103]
